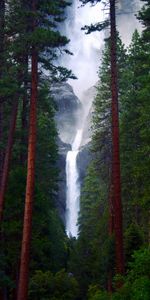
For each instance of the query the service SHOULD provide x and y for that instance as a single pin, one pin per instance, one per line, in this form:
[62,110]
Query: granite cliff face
[68,110]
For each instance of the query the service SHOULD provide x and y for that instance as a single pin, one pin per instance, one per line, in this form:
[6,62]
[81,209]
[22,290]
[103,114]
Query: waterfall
[84,63]
[73,187]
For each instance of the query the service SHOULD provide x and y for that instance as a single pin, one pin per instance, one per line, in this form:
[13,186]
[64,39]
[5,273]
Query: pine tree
[24,264]
[95,246]
[56,39]
[116,180]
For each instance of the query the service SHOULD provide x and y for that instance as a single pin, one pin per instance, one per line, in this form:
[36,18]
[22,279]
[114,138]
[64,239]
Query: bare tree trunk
[116,181]
[111,211]
[25,251]
[1,140]
[2,24]
[23,153]
[27,227]
[8,157]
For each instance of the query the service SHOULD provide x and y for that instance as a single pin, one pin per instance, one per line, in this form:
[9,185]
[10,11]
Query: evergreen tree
[115,177]
[2,22]
[95,249]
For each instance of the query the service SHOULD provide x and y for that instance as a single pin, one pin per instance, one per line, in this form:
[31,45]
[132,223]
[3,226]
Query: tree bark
[111,232]
[1,140]
[2,24]
[24,125]
[111,211]
[8,157]
[116,181]
[26,240]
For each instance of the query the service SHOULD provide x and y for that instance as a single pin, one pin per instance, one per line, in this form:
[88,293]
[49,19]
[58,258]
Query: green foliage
[135,136]
[90,1]
[94,293]
[136,284]
[96,27]
[41,285]
[134,238]
[144,17]
[46,286]
[141,264]
[137,281]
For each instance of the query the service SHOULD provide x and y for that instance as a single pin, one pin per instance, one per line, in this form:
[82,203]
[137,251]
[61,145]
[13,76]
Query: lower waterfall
[73,187]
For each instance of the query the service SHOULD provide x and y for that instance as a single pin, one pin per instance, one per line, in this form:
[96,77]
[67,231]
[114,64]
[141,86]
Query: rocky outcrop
[68,109]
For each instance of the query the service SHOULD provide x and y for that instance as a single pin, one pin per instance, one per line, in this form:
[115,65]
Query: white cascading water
[73,187]
[84,64]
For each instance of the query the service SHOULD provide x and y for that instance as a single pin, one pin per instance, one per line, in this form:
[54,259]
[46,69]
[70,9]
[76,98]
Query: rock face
[68,109]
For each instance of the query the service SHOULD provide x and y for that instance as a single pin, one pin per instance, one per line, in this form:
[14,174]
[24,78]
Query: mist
[126,19]
[87,49]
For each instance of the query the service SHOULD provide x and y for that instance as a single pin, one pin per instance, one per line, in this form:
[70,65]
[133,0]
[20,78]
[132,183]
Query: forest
[110,257]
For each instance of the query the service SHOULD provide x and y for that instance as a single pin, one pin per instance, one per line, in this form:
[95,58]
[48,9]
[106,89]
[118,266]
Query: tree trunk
[2,23]
[1,140]
[111,212]
[111,231]
[24,125]
[25,251]
[116,181]
[8,157]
